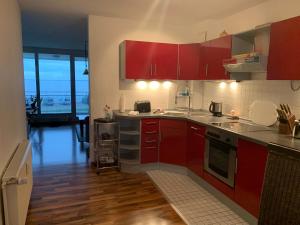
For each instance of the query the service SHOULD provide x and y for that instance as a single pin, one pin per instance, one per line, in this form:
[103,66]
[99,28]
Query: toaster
[142,106]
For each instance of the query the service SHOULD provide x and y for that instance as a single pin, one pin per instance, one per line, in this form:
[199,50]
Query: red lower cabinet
[224,188]
[251,165]
[149,140]
[195,148]
[173,142]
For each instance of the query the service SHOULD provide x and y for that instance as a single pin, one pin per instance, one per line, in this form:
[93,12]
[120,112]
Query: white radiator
[17,186]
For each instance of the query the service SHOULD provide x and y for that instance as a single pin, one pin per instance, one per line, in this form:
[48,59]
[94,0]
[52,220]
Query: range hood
[249,63]
[250,52]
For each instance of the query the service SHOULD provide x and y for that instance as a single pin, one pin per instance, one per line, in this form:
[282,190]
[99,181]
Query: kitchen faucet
[186,94]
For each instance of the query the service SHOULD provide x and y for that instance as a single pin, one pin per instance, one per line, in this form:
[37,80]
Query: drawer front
[197,129]
[150,126]
[150,140]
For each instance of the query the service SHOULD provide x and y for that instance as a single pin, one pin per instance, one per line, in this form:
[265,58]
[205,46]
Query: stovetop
[240,127]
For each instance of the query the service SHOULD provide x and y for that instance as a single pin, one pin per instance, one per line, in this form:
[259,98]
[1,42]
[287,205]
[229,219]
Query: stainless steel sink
[175,113]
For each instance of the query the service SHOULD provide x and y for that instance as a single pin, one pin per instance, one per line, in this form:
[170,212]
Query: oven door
[220,160]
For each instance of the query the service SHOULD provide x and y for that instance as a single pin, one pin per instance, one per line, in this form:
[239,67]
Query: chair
[280,201]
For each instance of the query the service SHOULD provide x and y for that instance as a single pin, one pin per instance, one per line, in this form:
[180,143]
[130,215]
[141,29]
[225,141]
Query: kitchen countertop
[263,137]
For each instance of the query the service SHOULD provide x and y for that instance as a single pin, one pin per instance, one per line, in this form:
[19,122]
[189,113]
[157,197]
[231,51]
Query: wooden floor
[74,194]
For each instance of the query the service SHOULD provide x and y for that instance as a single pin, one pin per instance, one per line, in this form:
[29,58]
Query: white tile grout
[192,202]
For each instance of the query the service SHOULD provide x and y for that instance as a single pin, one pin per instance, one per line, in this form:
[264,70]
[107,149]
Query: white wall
[105,35]
[266,12]
[12,106]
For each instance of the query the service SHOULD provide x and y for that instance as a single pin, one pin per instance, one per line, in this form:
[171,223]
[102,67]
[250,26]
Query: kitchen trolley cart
[106,144]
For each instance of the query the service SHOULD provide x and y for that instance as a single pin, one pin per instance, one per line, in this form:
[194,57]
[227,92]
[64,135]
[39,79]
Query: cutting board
[263,113]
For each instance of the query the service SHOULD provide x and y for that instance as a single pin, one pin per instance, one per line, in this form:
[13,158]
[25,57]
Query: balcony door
[55,84]
[57,81]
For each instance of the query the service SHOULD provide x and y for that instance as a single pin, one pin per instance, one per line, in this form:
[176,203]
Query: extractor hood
[249,63]
[250,52]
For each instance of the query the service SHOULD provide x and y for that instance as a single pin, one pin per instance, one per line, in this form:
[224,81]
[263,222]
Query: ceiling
[63,23]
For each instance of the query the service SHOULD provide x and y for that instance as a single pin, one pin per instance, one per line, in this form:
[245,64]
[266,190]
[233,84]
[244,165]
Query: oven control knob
[227,140]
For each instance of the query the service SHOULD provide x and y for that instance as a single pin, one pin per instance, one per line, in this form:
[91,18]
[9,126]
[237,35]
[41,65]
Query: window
[29,78]
[81,87]
[57,82]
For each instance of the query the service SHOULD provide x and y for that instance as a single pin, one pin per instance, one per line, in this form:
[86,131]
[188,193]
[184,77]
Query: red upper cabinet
[164,61]
[189,62]
[148,60]
[250,175]
[284,52]
[195,148]
[215,51]
[136,59]
[173,142]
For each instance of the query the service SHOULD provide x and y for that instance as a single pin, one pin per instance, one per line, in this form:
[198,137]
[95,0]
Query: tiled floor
[194,203]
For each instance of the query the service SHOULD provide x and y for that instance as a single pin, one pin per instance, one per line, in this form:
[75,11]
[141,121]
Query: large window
[29,78]
[57,82]
[81,87]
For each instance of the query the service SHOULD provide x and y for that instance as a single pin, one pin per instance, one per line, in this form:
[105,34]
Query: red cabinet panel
[148,60]
[224,188]
[195,148]
[284,52]
[173,142]
[215,51]
[165,59]
[189,62]
[250,175]
[149,140]
[137,59]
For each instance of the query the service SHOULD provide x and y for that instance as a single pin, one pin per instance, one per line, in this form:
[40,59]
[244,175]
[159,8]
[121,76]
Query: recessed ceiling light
[154,85]
[141,84]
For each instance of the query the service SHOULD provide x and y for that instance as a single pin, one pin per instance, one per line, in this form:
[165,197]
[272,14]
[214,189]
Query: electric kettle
[216,108]
[296,129]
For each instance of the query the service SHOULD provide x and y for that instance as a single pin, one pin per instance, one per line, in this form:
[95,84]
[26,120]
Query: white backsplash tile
[246,92]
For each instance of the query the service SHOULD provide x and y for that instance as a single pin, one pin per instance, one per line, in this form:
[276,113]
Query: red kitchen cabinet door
[173,142]
[189,62]
[165,60]
[149,140]
[284,51]
[215,52]
[195,149]
[250,175]
[202,61]
[136,59]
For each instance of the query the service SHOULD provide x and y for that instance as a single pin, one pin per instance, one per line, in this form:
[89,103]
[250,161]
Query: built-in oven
[220,155]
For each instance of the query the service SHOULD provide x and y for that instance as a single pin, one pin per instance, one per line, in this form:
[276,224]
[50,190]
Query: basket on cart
[106,142]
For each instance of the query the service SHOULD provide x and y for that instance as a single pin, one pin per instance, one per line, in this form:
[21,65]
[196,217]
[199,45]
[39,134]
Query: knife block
[286,126]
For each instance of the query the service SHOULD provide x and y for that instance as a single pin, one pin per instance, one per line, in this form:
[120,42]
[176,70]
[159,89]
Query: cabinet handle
[151,70]
[206,69]
[150,132]
[152,141]
[150,147]
[151,123]
[154,68]
[236,165]
[194,128]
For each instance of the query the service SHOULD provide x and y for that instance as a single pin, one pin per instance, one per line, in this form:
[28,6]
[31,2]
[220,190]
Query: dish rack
[106,144]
